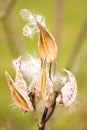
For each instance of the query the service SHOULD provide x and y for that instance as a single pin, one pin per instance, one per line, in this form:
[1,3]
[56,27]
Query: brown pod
[18,89]
[47,46]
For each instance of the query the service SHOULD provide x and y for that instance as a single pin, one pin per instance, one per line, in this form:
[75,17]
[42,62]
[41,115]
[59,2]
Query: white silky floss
[32,19]
[30,66]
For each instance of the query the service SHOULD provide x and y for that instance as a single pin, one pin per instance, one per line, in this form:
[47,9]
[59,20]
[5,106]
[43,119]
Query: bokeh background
[67,21]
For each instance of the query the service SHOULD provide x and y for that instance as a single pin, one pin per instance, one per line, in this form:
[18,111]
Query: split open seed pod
[19,95]
[35,87]
[47,90]
[46,45]
[18,89]
[68,92]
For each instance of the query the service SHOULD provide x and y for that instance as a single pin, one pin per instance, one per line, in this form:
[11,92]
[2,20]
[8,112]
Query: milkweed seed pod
[18,89]
[68,92]
[36,23]
[35,87]
[49,94]
[47,88]
[46,45]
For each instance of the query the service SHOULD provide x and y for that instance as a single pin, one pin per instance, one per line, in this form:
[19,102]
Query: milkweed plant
[40,73]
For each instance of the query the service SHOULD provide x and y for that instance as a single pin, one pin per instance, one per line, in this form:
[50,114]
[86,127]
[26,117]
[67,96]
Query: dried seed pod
[47,88]
[68,92]
[47,46]
[44,79]
[18,89]
[49,94]
[35,87]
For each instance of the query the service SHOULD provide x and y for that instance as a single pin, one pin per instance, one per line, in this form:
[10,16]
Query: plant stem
[50,69]
[77,45]
[44,115]
[44,118]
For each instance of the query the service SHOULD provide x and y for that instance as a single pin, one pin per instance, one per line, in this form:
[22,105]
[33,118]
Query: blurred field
[74,15]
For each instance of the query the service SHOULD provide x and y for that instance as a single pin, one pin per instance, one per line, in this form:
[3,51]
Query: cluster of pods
[42,86]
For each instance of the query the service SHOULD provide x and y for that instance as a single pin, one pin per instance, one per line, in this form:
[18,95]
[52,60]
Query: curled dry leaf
[68,92]
[46,45]
[18,89]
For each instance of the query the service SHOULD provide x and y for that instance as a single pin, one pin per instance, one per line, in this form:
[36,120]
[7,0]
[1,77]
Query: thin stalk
[32,98]
[43,123]
[54,71]
[50,69]
[36,117]
[5,13]
[44,115]
[58,20]
[11,29]
[53,108]
[77,45]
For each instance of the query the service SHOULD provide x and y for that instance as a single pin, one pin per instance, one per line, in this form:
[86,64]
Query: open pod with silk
[18,89]
[41,86]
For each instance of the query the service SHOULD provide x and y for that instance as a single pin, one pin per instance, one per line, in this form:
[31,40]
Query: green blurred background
[67,21]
